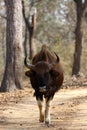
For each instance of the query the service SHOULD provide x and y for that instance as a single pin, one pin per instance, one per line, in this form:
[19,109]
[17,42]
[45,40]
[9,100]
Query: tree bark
[78,43]
[80,10]
[31,28]
[26,48]
[31,31]
[12,78]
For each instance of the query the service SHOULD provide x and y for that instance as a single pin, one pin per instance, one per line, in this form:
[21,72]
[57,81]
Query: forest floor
[19,111]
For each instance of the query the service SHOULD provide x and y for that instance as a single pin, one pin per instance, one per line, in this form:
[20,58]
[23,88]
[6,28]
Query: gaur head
[42,72]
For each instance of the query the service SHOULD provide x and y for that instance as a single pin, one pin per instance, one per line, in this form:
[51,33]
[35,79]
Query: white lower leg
[41,110]
[47,112]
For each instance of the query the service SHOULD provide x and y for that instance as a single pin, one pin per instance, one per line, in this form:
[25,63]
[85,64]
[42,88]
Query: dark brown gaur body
[46,76]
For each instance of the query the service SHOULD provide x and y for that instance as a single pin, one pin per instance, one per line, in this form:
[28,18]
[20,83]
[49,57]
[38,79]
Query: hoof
[41,120]
[47,123]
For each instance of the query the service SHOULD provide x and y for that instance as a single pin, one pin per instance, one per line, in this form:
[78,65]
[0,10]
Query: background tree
[30,23]
[80,10]
[56,22]
[14,51]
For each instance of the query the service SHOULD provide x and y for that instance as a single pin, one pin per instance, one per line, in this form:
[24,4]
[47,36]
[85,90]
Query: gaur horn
[57,57]
[30,66]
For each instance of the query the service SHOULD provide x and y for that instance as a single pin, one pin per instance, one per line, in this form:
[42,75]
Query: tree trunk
[26,50]
[78,43]
[12,78]
[80,10]
[78,48]
[31,26]
[31,35]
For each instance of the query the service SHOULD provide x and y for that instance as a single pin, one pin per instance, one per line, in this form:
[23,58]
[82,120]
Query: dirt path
[68,112]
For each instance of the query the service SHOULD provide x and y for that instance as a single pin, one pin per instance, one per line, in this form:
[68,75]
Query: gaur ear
[28,73]
[54,73]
